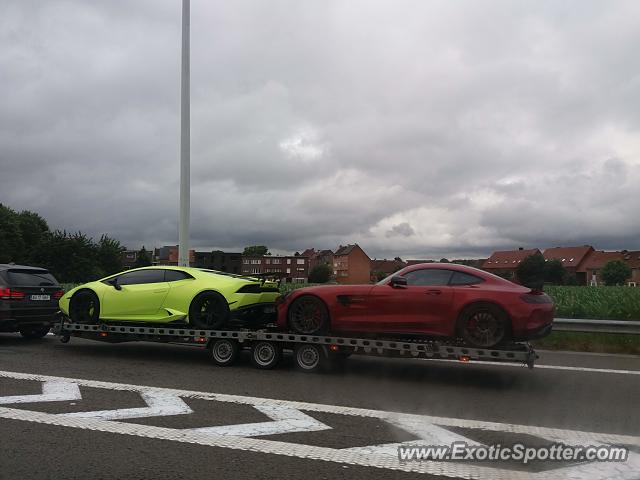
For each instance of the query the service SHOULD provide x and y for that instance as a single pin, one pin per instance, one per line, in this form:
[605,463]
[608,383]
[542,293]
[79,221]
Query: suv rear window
[30,278]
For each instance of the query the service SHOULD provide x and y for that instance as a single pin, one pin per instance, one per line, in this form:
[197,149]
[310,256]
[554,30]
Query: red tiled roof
[631,258]
[598,259]
[508,259]
[416,262]
[387,266]
[568,256]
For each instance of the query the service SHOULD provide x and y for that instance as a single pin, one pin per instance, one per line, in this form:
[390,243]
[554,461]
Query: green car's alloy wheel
[84,307]
[209,310]
[308,315]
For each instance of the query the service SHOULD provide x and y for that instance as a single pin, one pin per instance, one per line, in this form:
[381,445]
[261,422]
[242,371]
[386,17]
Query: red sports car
[429,299]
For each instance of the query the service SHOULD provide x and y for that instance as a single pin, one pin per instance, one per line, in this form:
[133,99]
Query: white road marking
[52,391]
[548,367]
[160,404]
[431,428]
[285,420]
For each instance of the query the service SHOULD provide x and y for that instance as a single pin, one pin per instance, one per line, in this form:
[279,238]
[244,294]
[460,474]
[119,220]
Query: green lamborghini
[202,298]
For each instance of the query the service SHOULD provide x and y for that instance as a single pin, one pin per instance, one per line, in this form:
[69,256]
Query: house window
[268,261]
[288,270]
[300,261]
[288,261]
[276,261]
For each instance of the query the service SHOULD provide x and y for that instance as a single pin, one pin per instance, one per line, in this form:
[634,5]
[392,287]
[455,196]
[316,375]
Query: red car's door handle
[434,292]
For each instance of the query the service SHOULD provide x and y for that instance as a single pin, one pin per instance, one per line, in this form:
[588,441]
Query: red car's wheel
[308,315]
[483,326]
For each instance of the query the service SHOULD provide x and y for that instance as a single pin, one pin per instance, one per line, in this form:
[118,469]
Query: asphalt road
[157,418]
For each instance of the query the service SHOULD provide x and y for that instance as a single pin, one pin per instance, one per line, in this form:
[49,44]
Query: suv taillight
[8,294]
[58,295]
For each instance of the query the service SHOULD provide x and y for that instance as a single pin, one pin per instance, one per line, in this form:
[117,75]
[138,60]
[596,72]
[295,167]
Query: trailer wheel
[266,355]
[224,352]
[309,357]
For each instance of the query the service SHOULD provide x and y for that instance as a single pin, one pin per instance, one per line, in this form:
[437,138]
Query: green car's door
[140,296]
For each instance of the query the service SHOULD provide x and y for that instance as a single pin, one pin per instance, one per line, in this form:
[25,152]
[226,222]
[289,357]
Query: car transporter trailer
[310,352]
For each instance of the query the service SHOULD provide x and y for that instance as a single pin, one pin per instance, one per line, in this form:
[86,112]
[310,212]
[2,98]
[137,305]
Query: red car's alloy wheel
[308,315]
[484,327]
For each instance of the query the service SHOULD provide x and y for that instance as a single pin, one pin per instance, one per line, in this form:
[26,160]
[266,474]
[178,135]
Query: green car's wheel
[209,310]
[84,307]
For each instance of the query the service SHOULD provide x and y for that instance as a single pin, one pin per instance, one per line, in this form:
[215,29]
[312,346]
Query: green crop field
[615,303]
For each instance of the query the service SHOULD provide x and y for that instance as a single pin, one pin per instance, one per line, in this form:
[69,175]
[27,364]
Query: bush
[320,274]
[615,272]
[531,271]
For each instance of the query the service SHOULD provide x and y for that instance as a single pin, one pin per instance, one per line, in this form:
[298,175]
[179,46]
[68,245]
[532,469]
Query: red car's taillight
[58,295]
[536,297]
[8,294]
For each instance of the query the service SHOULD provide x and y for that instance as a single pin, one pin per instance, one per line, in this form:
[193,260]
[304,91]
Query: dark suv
[28,300]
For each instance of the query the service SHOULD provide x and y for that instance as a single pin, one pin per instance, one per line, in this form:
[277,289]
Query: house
[505,262]
[130,257]
[219,260]
[590,269]
[417,262]
[572,259]
[470,262]
[168,255]
[322,257]
[383,268]
[351,265]
[293,268]
[632,259]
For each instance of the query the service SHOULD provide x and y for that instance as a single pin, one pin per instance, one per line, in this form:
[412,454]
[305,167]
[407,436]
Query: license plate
[41,297]
[269,309]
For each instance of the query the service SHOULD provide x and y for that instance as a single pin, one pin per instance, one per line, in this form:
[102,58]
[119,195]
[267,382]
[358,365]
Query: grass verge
[590,342]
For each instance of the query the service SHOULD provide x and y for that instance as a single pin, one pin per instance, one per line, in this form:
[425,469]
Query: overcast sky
[414,128]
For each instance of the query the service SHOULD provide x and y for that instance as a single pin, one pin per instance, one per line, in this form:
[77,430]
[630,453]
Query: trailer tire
[266,355]
[309,357]
[224,352]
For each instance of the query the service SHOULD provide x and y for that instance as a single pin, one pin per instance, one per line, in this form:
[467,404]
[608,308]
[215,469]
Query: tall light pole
[185,141]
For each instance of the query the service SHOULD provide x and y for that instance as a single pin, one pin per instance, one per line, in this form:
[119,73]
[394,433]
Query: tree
[33,229]
[11,243]
[257,250]
[109,255]
[615,272]
[554,272]
[320,273]
[143,259]
[444,260]
[72,258]
[530,271]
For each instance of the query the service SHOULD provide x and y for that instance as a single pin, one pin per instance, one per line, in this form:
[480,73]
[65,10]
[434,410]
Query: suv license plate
[40,297]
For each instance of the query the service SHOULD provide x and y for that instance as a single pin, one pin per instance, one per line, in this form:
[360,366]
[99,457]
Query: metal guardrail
[596,326]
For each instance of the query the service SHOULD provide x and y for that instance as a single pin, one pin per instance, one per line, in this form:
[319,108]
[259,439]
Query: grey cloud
[421,129]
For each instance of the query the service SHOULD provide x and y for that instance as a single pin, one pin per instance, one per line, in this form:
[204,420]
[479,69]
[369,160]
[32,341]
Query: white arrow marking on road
[53,391]
[159,404]
[427,433]
[285,420]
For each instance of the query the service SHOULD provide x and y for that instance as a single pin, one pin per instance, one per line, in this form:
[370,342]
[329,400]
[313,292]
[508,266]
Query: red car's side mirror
[398,281]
